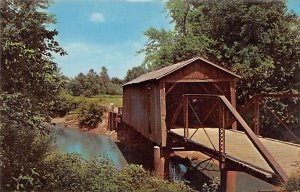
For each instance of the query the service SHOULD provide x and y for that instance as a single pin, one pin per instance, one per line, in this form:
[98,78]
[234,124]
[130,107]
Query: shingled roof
[158,74]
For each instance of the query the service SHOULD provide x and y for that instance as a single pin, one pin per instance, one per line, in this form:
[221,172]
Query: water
[87,145]
[237,181]
[69,140]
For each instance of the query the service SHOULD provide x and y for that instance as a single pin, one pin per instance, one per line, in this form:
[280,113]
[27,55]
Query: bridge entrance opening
[199,107]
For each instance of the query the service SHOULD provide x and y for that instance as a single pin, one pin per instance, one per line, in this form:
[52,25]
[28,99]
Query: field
[117,100]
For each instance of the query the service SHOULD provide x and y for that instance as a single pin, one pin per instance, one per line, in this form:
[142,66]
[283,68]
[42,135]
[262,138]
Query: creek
[70,140]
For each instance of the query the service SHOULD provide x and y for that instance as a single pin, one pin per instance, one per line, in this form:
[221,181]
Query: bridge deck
[237,145]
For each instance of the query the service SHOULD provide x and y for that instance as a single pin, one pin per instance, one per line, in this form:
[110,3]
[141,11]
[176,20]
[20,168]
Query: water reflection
[70,140]
[87,145]
[196,177]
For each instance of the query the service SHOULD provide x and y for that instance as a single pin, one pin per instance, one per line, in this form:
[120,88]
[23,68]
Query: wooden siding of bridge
[141,110]
[144,99]
[198,71]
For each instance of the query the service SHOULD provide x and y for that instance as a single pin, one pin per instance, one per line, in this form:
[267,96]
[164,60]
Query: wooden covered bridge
[191,106]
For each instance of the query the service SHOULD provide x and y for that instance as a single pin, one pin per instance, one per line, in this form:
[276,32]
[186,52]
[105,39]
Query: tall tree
[134,73]
[28,75]
[104,79]
[93,82]
[260,40]
[29,81]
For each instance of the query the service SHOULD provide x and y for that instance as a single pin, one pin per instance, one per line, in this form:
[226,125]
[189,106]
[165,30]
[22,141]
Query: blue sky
[108,33]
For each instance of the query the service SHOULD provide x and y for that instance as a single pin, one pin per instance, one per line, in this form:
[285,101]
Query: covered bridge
[150,101]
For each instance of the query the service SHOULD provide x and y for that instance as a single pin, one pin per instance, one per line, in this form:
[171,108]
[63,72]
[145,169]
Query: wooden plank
[221,91]
[204,88]
[163,137]
[197,80]
[233,101]
[158,113]
[258,145]
[286,154]
[171,88]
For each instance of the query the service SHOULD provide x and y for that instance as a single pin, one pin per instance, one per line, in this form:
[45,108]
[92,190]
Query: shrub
[90,114]
[69,172]
[64,104]
[293,183]
[114,89]
[22,149]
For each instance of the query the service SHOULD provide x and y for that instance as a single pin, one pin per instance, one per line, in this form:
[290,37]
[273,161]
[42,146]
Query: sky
[108,33]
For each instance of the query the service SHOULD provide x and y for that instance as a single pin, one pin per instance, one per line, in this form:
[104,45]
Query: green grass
[117,100]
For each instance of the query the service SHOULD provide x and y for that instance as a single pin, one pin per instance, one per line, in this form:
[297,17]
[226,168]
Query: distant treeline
[93,83]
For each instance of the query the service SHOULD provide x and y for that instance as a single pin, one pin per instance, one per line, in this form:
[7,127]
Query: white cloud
[96,17]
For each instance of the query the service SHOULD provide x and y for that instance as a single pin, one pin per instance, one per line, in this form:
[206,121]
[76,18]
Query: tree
[77,86]
[27,72]
[29,82]
[257,39]
[260,40]
[116,80]
[134,73]
[103,79]
[93,83]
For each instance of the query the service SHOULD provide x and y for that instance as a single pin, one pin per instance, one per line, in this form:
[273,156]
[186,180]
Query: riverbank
[101,128]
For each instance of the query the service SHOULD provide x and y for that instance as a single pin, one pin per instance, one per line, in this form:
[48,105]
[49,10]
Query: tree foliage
[134,73]
[259,40]
[28,75]
[69,172]
[90,114]
[256,39]
[29,82]
[94,84]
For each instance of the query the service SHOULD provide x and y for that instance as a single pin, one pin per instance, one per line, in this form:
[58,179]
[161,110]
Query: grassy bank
[117,100]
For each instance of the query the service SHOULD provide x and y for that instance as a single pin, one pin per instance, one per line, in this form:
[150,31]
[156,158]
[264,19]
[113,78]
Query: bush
[69,172]
[21,150]
[64,104]
[90,113]
[293,183]
[114,89]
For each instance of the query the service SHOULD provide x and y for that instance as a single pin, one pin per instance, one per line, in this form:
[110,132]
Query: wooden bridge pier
[159,162]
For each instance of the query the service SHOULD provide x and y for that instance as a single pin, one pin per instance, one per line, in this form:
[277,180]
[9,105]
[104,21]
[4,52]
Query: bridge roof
[158,74]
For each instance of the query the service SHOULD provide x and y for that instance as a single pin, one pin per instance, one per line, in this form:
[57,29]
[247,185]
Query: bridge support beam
[227,180]
[233,101]
[223,179]
[159,162]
